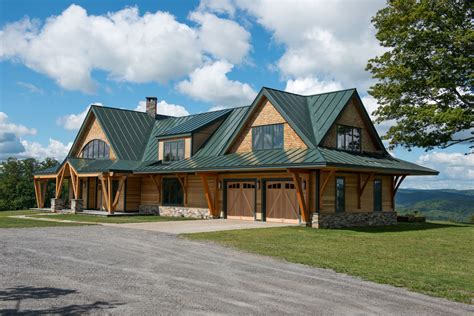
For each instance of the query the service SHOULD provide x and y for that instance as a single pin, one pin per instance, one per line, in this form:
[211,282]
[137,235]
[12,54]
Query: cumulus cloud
[126,45]
[16,129]
[311,85]
[164,108]
[456,171]
[217,6]
[223,38]
[211,84]
[330,39]
[73,122]
[54,149]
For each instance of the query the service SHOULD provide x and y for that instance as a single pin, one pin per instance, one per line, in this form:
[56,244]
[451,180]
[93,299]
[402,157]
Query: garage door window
[172,192]
[340,195]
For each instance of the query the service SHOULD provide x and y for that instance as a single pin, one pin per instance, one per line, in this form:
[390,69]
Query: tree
[16,182]
[425,77]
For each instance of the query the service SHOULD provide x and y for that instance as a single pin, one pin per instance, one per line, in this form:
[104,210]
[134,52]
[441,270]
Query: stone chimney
[151,106]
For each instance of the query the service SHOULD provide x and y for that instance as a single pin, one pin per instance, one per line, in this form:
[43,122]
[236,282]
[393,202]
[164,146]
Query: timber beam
[183,180]
[211,202]
[157,181]
[396,181]
[302,201]
[361,187]
[323,186]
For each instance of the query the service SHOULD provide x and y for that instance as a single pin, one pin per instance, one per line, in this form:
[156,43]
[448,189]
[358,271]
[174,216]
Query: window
[267,137]
[96,149]
[172,192]
[348,138]
[173,150]
[340,195]
[377,195]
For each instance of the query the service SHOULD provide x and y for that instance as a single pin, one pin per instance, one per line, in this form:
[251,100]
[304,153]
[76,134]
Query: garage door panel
[241,199]
[281,201]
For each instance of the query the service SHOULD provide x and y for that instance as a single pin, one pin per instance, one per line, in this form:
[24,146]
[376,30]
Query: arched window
[97,149]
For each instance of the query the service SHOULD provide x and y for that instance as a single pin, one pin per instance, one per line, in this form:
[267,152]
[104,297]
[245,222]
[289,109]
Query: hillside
[445,204]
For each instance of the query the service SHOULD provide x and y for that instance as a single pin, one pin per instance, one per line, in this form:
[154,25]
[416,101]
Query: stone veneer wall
[57,204]
[341,220]
[177,211]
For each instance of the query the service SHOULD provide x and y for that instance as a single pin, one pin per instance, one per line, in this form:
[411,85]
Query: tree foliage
[16,182]
[425,77]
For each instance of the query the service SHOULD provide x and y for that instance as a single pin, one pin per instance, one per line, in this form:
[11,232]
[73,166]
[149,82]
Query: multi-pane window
[340,195]
[97,149]
[173,150]
[172,192]
[348,138]
[377,195]
[267,137]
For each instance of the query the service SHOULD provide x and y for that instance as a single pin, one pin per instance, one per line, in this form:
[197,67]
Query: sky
[59,57]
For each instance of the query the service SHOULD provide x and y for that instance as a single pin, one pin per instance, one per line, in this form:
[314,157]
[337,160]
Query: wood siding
[133,194]
[200,138]
[187,147]
[92,131]
[267,114]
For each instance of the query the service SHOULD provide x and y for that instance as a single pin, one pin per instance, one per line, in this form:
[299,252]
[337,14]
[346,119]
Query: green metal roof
[48,171]
[127,131]
[291,158]
[83,165]
[195,123]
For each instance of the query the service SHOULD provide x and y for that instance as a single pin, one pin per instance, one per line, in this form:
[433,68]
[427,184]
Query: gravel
[113,270]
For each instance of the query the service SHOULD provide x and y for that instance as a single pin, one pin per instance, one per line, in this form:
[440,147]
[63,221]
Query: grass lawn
[115,219]
[9,222]
[431,258]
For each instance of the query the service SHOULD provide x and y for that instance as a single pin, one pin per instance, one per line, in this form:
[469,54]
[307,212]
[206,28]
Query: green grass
[431,258]
[114,220]
[9,222]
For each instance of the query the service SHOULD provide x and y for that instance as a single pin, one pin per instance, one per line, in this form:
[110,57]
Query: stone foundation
[176,211]
[341,220]
[56,205]
[77,206]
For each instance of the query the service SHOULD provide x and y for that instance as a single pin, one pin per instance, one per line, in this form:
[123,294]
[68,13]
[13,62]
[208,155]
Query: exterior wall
[267,114]
[367,198]
[203,135]
[354,219]
[92,131]
[351,116]
[187,147]
[133,195]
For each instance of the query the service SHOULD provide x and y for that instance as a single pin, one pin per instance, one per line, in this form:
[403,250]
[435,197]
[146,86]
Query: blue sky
[58,57]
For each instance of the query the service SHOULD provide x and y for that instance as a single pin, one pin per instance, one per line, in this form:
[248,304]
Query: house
[312,159]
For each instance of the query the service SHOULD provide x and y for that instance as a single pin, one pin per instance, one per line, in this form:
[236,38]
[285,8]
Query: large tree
[16,182]
[425,77]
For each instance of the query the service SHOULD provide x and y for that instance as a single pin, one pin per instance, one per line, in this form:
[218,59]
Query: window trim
[381,195]
[344,147]
[177,142]
[343,193]
[273,136]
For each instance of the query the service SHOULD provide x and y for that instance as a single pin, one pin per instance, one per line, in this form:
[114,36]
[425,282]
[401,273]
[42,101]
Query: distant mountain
[445,204]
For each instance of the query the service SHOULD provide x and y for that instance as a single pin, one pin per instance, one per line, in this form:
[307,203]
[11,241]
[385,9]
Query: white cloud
[217,6]
[223,38]
[54,149]
[74,121]
[211,84]
[329,39]
[30,87]
[164,108]
[153,47]
[456,171]
[311,85]
[16,129]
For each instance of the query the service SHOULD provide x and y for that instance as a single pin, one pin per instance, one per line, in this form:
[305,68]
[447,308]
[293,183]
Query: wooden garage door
[281,202]
[241,200]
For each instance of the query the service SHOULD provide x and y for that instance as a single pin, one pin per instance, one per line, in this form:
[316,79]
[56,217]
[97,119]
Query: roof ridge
[308,95]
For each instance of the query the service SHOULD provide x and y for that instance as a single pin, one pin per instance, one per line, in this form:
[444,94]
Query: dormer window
[267,137]
[348,138]
[96,149]
[173,150]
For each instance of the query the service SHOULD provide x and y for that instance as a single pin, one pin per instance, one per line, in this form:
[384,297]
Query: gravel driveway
[103,269]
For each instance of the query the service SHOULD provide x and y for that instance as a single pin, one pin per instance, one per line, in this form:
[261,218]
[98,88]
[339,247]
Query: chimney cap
[152,98]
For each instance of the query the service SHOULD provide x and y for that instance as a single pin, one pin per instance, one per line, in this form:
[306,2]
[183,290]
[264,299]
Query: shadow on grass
[405,227]
[20,293]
